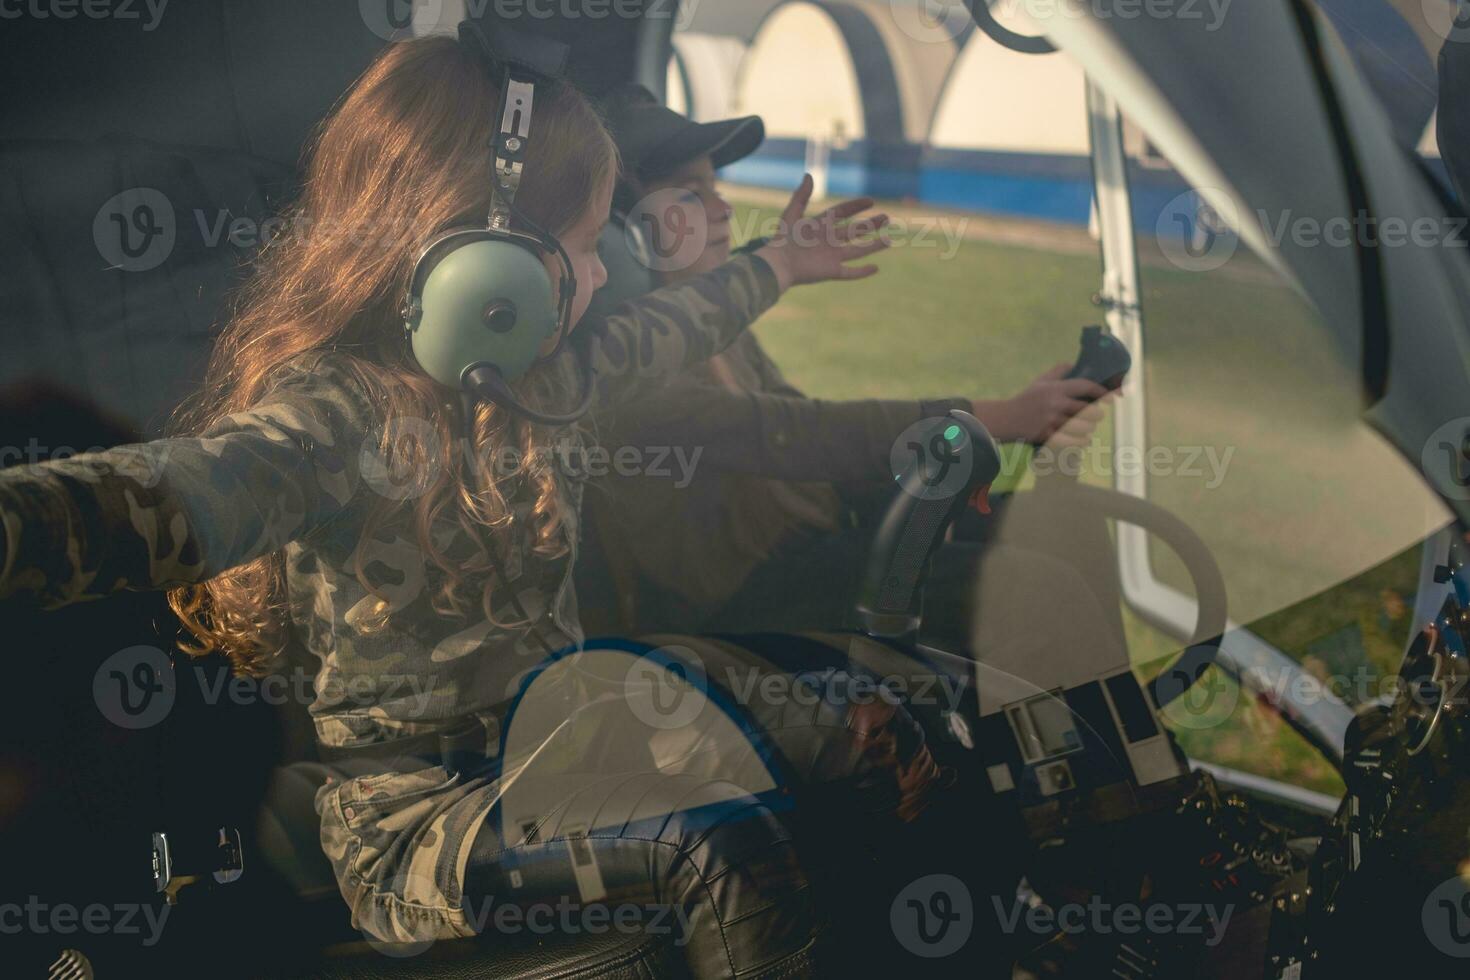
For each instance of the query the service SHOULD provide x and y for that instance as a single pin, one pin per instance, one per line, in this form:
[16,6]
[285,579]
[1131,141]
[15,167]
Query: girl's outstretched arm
[176,511]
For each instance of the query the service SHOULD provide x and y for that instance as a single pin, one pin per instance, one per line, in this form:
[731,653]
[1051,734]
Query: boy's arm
[773,435]
[662,332]
[176,511]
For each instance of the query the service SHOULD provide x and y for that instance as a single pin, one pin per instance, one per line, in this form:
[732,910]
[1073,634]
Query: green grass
[1311,499]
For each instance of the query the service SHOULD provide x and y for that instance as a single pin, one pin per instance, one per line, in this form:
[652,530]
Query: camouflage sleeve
[661,332]
[181,510]
[772,435]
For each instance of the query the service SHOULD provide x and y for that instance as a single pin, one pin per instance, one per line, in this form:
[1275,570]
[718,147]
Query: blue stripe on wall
[1054,199]
[1049,187]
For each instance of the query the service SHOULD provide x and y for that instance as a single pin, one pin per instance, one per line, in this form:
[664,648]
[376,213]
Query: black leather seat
[286,841]
[325,945]
[612,955]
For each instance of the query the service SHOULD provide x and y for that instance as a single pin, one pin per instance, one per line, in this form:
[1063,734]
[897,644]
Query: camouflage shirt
[298,472]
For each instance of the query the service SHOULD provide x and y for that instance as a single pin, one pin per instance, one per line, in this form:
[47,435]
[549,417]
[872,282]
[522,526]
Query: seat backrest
[118,255]
[136,174]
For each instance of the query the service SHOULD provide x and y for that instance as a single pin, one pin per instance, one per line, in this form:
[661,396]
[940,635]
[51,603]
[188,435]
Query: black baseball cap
[655,140]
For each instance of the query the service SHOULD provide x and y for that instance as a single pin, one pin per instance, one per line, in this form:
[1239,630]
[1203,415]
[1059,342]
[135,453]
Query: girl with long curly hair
[319,495]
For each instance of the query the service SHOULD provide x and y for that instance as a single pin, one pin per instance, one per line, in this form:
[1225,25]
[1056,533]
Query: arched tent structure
[677,90]
[1010,135]
[741,19]
[703,73]
[845,73]
[1429,140]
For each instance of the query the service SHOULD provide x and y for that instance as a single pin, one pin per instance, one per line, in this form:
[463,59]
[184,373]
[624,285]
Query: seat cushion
[287,838]
[287,844]
[516,956]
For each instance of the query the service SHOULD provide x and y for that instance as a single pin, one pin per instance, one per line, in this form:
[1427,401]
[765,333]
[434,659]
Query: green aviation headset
[480,302]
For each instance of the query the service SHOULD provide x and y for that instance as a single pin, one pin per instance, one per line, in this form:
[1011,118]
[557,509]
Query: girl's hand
[1052,409]
[814,249]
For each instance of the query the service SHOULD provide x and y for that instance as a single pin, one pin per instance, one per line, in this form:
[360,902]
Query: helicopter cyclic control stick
[955,462]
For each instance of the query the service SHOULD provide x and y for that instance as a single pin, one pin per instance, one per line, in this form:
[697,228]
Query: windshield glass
[1401,47]
[1243,417]
[1254,437]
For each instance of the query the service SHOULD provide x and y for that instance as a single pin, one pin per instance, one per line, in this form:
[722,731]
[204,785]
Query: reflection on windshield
[1293,492]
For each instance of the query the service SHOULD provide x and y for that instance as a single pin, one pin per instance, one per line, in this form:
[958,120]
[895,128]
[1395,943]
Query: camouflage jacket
[298,472]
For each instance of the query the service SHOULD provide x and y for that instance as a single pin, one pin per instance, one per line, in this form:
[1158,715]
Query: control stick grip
[954,460]
[1102,358]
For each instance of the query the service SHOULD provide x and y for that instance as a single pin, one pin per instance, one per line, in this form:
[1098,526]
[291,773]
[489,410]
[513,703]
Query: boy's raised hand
[816,248]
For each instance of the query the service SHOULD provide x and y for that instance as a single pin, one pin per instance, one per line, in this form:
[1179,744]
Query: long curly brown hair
[402,156]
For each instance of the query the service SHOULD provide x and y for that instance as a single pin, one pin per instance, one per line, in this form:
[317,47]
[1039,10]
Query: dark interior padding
[133,342]
[1452,129]
[209,105]
[252,78]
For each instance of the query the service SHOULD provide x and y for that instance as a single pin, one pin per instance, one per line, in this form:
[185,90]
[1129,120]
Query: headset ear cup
[480,297]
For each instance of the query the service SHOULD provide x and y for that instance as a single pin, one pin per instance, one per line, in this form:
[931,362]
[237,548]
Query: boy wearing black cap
[761,532]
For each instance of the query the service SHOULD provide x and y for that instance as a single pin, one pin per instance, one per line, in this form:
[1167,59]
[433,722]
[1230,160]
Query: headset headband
[521,61]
